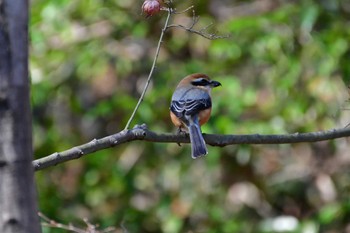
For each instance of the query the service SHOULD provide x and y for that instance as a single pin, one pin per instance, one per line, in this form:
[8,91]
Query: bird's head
[200,81]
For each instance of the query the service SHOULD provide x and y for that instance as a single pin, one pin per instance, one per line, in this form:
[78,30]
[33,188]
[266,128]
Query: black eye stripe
[200,82]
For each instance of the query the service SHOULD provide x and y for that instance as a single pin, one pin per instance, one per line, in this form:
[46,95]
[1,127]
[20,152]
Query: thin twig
[209,36]
[195,19]
[202,32]
[184,11]
[142,133]
[90,227]
[151,71]
[53,224]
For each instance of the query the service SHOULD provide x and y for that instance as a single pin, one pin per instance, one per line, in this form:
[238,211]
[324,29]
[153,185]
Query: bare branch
[90,228]
[184,11]
[202,32]
[142,133]
[151,71]
[53,224]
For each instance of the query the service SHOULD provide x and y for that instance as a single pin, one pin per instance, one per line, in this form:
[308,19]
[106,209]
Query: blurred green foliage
[284,69]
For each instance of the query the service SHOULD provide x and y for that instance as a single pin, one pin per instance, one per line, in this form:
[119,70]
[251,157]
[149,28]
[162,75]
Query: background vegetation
[285,69]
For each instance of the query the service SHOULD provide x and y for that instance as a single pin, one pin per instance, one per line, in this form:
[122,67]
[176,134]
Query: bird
[191,107]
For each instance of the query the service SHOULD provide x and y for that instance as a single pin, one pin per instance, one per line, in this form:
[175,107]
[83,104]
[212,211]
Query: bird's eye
[200,82]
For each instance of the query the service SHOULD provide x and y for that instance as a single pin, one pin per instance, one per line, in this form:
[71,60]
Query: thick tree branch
[142,133]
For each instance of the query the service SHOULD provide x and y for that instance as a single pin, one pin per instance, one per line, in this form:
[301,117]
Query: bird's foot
[181,132]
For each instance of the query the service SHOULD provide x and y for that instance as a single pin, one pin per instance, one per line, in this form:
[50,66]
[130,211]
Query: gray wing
[187,102]
[190,107]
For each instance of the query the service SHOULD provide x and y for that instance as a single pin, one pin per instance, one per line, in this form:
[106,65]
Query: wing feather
[189,107]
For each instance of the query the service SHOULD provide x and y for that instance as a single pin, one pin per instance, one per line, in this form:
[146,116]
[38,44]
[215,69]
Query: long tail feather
[197,141]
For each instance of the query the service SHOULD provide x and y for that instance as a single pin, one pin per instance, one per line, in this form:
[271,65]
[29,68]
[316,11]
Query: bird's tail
[197,141]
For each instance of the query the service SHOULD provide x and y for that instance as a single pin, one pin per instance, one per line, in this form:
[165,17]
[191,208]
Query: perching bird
[191,107]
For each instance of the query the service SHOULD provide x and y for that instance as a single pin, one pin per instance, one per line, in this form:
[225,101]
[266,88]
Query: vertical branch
[151,71]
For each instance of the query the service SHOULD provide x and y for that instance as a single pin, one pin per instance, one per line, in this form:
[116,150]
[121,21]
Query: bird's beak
[215,84]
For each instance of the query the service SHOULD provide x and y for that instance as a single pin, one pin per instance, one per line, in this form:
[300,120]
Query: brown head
[199,80]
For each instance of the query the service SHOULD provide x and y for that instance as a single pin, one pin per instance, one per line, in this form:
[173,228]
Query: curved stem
[151,71]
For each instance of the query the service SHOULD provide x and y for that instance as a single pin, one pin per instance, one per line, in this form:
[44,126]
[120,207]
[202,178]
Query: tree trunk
[18,206]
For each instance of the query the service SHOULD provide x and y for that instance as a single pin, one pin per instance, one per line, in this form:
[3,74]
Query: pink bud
[151,7]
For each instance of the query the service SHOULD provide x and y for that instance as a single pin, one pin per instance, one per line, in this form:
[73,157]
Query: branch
[142,133]
[90,228]
[151,71]
[202,32]
[181,12]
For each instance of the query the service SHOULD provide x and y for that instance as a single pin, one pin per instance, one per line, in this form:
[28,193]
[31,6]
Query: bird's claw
[181,132]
